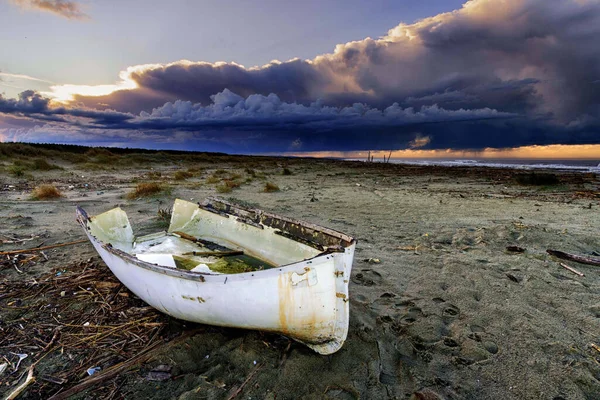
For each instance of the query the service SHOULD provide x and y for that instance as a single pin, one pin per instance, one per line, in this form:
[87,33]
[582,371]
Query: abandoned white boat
[226,265]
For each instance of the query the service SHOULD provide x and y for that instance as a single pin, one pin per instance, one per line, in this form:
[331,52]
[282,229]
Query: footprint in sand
[367,277]
[451,312]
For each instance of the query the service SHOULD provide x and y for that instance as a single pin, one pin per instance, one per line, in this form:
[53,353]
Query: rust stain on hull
[193,298]
[294,322]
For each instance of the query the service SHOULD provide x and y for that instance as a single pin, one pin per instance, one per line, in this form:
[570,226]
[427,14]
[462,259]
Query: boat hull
[307,301]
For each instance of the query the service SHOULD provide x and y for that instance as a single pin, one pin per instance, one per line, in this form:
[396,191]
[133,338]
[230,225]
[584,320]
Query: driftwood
[121,367]
[573,270]
[574,257]
[515,249]
[30,379]
[3,253]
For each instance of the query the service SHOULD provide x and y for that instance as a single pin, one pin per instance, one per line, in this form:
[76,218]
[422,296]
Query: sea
[584,166]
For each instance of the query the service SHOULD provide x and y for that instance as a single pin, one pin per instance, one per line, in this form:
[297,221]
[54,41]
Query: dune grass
[145,190]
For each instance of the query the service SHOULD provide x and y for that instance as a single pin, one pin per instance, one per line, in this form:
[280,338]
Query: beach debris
[159,373]
[93,370]
[574,257]
[2,253]
[573,270]
[414,249]
[3,367]
[144,355]
[53,379]
[595,347]
[372,260]
[514,278]
[118,329]
[21,356]
[30,379]
[10,240]
[515,249]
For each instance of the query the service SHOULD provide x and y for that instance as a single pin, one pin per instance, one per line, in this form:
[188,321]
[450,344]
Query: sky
[414,77]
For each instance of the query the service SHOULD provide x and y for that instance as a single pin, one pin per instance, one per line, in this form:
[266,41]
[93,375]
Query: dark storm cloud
[266,123]
[230,110]
[34,106]
[525,56]
[63,8]
[492,74]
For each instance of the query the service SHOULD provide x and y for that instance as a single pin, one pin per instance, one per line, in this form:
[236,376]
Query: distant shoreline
[584,166]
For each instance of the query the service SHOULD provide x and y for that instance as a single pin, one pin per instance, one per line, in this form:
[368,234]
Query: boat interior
[218,237]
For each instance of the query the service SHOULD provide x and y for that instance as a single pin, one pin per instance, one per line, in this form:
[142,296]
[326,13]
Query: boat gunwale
[208,203]
[84,219]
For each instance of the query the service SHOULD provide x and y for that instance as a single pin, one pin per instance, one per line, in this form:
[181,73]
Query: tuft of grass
[286,171]
[270,188]
[17,171]
[145,190]
[46,192]
[182,175]
[227,186]
[213,179]
[154,174]
[43,165]
[223,188]
[164,215]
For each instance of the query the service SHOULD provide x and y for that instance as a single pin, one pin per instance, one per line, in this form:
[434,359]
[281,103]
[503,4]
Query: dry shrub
[17,171]
[286,171]
[43,165]
[213,179]
[270,188]
[227,186]
[232,183]
[154,174]
[223,188]
[144,190]
[46,192]
[182,175]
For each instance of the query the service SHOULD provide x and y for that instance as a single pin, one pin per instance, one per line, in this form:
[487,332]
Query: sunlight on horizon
[549,152]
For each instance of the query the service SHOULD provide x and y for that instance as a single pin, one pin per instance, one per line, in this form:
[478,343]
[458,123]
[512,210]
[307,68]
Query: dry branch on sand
[574,257]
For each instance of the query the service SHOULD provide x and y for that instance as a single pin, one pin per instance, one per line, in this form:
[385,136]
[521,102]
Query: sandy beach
[440,309]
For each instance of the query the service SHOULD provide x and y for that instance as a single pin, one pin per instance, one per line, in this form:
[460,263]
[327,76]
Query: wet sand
[439,307]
